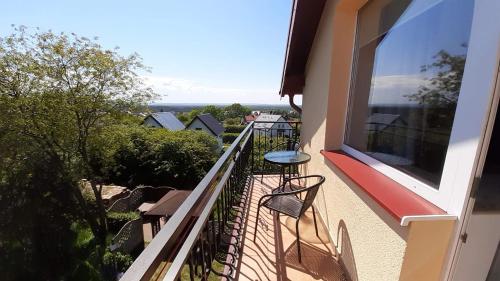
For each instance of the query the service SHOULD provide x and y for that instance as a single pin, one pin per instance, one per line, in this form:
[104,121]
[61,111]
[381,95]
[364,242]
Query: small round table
[286,158]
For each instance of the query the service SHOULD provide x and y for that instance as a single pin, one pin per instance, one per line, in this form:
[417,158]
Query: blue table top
[287,157]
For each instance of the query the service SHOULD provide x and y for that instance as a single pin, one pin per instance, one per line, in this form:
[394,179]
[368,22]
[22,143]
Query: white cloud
[393,89]
[395,81]
[180,90]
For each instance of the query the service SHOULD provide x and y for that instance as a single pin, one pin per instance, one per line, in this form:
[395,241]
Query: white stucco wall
[374,243]
[371,243]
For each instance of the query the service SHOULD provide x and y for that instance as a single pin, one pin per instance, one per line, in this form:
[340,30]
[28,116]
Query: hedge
[116,220]
[234,128]
[151,156]
[229,137]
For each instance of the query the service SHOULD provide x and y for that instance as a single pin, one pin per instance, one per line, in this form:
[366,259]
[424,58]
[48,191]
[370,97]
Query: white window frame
[469,123]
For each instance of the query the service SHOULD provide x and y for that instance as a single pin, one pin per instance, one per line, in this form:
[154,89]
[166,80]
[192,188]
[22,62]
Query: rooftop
[212,124]
[266,118]
[168,121]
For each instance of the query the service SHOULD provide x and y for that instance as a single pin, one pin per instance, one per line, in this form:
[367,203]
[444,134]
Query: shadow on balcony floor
[274,254]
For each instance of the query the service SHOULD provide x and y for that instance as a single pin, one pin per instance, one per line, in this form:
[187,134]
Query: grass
[212,277]
[163,268]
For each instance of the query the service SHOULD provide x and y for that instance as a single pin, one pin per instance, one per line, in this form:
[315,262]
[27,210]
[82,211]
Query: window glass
[408,68]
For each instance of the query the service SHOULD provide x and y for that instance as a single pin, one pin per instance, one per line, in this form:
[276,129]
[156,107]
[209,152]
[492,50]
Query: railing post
[296,132]
[252,149]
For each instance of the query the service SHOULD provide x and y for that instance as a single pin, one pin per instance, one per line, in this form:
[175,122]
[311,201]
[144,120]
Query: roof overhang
[304,21]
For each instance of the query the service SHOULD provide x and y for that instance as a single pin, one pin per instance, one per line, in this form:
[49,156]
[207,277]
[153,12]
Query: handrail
[183,254]
[278,122]
[190,241]
[146,264]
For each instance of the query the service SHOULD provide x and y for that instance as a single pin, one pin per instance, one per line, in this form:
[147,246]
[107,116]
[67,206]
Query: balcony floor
[274,254]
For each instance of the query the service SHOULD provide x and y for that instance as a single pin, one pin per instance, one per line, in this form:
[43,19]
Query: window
[407,72]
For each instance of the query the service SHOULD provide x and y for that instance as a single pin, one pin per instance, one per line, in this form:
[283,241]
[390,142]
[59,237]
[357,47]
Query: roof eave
[304,22]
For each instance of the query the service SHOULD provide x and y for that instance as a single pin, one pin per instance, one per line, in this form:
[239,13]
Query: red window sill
[401,203]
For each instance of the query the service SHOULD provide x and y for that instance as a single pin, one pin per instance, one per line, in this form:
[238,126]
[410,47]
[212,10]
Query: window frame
[461,159]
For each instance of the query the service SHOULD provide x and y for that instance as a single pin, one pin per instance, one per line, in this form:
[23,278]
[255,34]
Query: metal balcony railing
[206,228]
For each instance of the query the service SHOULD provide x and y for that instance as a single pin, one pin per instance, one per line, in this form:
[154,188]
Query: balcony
[210,236]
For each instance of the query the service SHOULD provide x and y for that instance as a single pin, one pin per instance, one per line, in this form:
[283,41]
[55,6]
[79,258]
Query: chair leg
[298,239]
[282,171]
[256,222]
[315,224]
[262,174]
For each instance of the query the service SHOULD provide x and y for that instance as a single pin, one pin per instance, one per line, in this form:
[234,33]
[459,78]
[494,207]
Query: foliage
[58,94]
[120,261]
[231,114]
[120,216]
[236,110]
[287,114]
[217,112]
[193,113]
[233,121]
[229,137]
[36,240]
[184,118]
[234,128]
[139,155]
[444,86]
[116,220]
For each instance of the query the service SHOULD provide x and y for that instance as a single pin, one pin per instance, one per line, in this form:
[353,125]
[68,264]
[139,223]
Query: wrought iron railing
[203,235]
[272,136]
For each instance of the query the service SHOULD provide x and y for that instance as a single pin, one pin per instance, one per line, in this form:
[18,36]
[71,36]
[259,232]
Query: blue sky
[199,51]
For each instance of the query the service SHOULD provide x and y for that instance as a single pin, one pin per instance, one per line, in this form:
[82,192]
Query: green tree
[139,155]
[232,121]
[216,112]
[444,85]
[183,117]
[193,113]
[57,94]
[236,110]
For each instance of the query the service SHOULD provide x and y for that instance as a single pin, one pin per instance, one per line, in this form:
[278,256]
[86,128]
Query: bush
[117,261]
[131,156]
[116,220]
[229,137]
[234,128]
[233,121]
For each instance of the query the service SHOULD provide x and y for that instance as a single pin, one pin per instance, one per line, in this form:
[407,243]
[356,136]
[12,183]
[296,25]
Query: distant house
[272,129]
[249,118]
[378,122]
[206,122]
[166,120]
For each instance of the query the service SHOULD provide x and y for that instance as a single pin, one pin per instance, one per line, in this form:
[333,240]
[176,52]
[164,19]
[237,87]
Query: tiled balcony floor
[274,254]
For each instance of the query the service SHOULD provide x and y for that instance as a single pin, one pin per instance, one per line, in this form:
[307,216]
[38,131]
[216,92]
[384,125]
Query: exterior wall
[371,244]
[427,247]
[198,124]
[151,122]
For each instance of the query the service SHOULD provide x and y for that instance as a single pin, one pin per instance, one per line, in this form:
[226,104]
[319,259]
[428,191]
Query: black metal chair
[288,203]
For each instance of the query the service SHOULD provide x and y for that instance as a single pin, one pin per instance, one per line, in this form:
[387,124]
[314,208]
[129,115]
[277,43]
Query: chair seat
[288,204]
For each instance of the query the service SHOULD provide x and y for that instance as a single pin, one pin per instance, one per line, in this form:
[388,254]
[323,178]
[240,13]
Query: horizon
[230,103]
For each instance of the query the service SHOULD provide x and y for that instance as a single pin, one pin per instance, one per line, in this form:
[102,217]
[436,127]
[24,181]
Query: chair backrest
[312,191]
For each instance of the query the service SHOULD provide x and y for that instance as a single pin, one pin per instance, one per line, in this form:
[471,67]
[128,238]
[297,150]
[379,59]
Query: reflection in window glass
[409,62]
